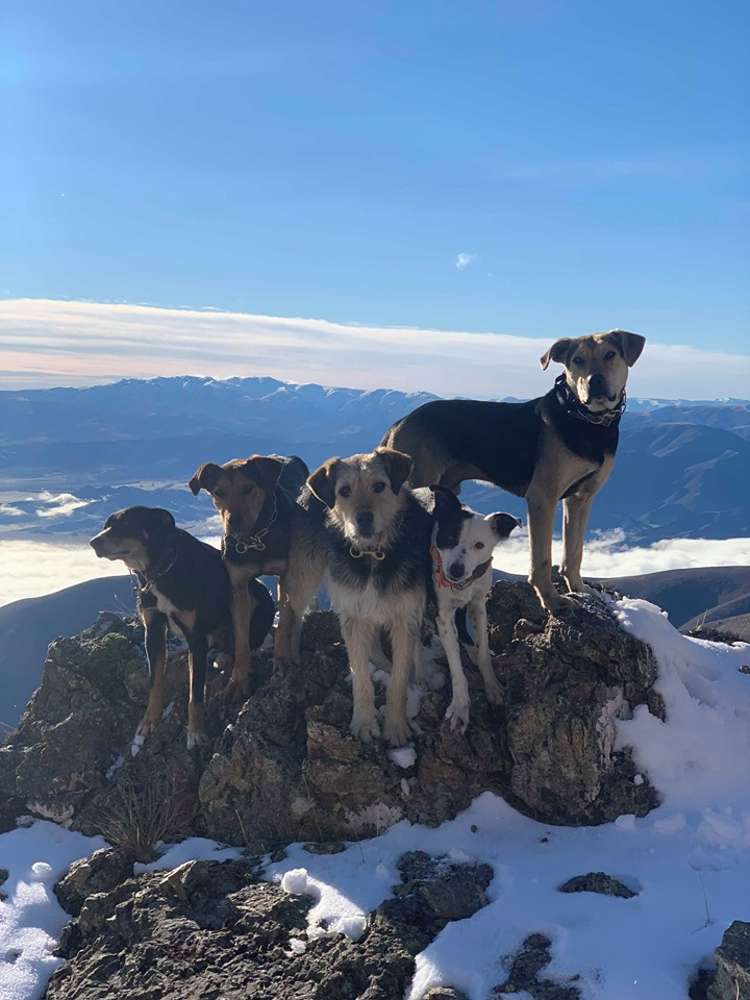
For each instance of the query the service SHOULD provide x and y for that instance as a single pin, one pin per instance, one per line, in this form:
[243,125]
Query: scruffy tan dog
[560,446]
[377,539]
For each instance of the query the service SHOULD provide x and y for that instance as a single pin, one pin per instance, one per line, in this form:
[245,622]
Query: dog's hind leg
[457,713]
[198,653]
[576,510]
[478,615]
[155,624]
[358,636]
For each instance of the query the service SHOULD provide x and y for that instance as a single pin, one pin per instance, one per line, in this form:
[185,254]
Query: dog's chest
[181,620]
[450,599]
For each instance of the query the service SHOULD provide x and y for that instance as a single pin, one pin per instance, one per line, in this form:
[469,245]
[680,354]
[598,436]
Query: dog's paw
[236,689]
[457,715]
[493,691]
[397,731]
[195,739]
[365,728]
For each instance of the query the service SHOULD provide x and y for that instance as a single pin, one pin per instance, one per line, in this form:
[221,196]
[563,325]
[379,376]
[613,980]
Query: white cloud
[65,343]
[607,555]
[60,505]
[41,567]
[464,259]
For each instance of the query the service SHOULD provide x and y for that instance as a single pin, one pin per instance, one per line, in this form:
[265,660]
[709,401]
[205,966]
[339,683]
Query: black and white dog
[461,550]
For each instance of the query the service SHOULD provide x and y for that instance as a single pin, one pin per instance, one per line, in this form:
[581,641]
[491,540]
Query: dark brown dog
[265,533]
[182,584]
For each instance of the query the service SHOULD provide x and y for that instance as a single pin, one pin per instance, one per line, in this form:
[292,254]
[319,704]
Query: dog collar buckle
[356,553]
[242,546]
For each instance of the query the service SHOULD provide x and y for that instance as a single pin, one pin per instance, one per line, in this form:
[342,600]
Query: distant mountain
[683,468]
[28,627]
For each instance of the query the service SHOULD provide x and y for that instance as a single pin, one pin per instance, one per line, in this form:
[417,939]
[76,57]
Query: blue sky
[332,160]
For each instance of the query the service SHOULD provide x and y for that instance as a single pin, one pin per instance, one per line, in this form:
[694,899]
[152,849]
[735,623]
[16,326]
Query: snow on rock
[191,849]
[31,918]
[295,882]
[403,756]
[690,857]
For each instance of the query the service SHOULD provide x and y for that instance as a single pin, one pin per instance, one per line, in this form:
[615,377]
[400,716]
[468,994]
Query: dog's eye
[345,491]
[378,487]
[478,545]
[578,360]
[609,355]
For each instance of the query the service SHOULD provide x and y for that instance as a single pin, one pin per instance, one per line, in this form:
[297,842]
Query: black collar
[572,405]
[148,577]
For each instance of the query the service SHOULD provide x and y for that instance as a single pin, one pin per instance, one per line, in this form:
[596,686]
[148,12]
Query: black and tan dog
[266,532]
[376,539]
[182,584]
[559,446]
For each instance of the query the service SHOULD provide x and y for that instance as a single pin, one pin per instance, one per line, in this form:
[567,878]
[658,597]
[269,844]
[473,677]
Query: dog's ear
[503,524]
[323,481]
[398,466]
[205,478]
[446,501]
[558,352]
[163,518]
[631,345]
[266,469]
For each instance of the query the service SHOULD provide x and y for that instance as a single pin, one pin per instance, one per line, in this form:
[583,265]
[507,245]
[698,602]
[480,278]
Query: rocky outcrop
[286,768]
[732,980]
[211,929]
[599,882]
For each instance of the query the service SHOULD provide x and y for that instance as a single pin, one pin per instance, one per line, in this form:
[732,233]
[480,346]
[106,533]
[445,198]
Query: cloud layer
[45,342]
[43,567]
[607,555]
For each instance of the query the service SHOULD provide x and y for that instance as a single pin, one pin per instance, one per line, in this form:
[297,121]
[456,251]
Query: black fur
[502,439]
[191,575]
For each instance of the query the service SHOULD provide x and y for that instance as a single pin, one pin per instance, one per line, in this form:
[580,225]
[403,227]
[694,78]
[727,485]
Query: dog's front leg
[155,624]
[478,615]
[541,522]
[576,510]
[197,655]
[404,634]
[457,712]
[297,588]
[358,636]
[243,605]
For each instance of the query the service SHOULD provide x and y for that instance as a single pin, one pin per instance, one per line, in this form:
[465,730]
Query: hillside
[28,627]
[681,471]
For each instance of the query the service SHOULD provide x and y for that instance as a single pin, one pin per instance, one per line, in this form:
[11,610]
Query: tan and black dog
[560,446]
[182,584]
[266,532]
[376,540]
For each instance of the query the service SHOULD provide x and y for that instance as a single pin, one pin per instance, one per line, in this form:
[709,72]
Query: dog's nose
[597,385]
[456,570]
[364,522]
[95,543]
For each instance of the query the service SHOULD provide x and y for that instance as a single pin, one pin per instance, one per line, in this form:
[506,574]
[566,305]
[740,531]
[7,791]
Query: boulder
[285,767]
[732,980]
[212,929]
[598,882]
